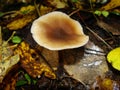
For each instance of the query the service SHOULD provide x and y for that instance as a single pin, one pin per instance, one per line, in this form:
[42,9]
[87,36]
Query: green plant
[99,13]
[16,39]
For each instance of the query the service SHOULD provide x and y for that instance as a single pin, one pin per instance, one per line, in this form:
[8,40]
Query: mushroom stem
[60,55]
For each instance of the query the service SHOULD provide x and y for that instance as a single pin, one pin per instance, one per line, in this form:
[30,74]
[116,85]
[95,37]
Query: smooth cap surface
[57,31]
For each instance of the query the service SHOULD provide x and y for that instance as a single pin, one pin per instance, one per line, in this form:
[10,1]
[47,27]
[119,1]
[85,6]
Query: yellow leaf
[31,62]
[24,16]
[113,57]
[111,5]
[20,22]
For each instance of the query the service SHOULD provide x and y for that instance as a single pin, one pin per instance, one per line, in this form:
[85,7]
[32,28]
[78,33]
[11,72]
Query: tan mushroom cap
[57,31]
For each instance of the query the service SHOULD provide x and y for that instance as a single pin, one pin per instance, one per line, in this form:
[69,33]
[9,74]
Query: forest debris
[7,58]
[113,57]
[105,84]
[24,16]
[111,5]
[7,64]
[110,26]
[45,10]
[10,83]
[89,67]
[116,11]
[20,22]
[31,62]
[58,3]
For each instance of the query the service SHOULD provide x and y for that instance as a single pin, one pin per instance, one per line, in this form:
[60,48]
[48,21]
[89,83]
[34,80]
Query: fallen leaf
[58,3]
[32,63]
[88,66]
[6,65]
[7,59]
[22,17]
[45,9]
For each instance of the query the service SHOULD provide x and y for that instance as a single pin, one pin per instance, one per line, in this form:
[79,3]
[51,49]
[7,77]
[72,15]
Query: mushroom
[57,31]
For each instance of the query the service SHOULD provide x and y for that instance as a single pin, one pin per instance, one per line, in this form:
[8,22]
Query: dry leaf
[31,62]
[6,65]
[7,59]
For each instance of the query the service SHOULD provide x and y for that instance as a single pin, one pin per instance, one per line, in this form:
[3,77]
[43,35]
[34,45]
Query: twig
[99,37]
[36,7]
[11,36]
[74,12]
[95,33]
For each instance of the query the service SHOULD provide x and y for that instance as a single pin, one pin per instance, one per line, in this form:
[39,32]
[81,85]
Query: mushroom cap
[57,31]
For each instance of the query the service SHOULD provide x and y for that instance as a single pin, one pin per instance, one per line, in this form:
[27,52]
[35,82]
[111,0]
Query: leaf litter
[7,58]
[91,59]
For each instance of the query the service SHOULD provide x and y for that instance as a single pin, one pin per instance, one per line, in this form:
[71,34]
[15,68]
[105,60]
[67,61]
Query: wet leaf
[31,62]
[113,57]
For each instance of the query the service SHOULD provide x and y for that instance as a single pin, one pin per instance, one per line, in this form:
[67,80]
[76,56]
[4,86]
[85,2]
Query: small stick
[36,7]
[74,12]
[99,37]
